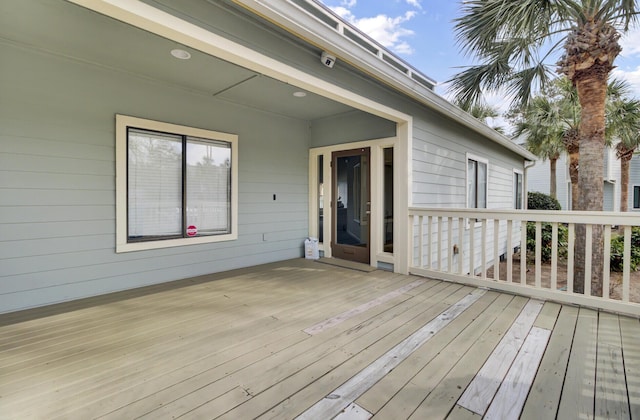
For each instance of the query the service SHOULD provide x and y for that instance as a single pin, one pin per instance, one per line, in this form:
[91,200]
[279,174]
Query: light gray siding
[57,185]
[57,160]
[634,179]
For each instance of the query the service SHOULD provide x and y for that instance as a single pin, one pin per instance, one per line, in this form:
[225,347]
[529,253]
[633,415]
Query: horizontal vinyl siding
[57,181]
[634,179]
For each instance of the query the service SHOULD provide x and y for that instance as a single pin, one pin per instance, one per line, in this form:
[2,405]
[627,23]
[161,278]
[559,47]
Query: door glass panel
[353,207]
[388,200]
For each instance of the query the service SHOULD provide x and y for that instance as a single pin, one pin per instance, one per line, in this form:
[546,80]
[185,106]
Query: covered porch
[300,338]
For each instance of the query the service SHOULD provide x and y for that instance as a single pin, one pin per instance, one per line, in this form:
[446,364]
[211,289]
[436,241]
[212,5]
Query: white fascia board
[305,26]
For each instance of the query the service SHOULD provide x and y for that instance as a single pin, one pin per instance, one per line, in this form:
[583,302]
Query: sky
[421,33]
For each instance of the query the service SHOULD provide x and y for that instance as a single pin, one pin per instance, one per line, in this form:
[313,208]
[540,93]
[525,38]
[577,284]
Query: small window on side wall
[636,197]
[517,190]
[476,182]
[176,185]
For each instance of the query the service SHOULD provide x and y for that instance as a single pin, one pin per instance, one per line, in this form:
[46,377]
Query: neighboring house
[123,165]
[538,180]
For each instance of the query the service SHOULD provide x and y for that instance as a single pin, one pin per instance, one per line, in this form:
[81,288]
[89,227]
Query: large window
[476,183]
[176,185]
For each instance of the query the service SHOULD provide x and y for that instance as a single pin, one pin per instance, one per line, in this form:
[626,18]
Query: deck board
[630,332]
[232,345]
[544,396]
[578,392]
[411,381]
[610,375]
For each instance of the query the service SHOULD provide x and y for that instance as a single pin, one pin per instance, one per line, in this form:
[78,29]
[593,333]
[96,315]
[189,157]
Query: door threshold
[347,264]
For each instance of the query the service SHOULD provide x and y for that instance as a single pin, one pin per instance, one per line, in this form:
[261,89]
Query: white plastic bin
[311,251]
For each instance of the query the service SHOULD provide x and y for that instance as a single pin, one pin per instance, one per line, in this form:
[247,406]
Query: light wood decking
[234,346]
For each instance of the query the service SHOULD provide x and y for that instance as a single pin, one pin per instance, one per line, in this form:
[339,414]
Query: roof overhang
[302,24]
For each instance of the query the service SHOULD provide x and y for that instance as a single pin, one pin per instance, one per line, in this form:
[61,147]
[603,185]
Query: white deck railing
[447,242]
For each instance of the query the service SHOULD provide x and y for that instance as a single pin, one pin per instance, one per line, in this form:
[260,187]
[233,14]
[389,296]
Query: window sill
[170,243]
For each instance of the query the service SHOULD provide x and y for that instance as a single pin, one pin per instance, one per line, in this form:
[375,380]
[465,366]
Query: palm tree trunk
[624,183]
[592,86]
[553,187]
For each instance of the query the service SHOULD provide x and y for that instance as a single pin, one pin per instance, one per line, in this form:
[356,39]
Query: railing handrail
[559,216]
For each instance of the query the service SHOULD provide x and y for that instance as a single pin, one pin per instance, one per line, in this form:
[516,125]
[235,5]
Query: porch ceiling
[61,28]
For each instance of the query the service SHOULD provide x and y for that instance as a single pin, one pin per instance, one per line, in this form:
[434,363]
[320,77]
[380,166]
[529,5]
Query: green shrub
[617,251]
[546,238]
[540,201]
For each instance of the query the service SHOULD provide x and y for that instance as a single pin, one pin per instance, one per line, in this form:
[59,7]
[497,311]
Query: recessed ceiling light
[299,94]
[181,54]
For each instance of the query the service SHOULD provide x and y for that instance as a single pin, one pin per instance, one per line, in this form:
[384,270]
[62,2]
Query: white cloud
[630,42]
[388,31]
[349,3]
[414,3]
[632,77]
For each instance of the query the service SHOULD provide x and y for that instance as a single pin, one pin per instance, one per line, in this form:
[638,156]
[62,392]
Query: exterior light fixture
[180,54]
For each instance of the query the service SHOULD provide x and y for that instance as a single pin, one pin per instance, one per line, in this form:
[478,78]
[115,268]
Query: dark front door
[351,204]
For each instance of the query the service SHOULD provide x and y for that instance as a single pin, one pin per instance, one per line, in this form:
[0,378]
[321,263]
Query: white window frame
[476,158]
[633,201]
[515,188]
[122,123]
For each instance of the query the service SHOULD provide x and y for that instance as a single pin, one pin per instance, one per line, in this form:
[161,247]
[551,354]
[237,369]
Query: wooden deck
[309,340]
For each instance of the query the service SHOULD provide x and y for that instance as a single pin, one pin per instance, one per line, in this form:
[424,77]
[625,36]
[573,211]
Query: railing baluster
[554,257]
[606,269]
[509,251]
[472,248]
[523,252]
[626,282]
[496,249]
[571,241]
[461,222]
[430,236]
[483,241]
[450,244]
[439,243]
[538,268]
[588,249]
[420,242]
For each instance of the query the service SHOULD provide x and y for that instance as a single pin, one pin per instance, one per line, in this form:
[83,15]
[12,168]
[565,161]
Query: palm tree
[515,40]
[482,112]
[542,125]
